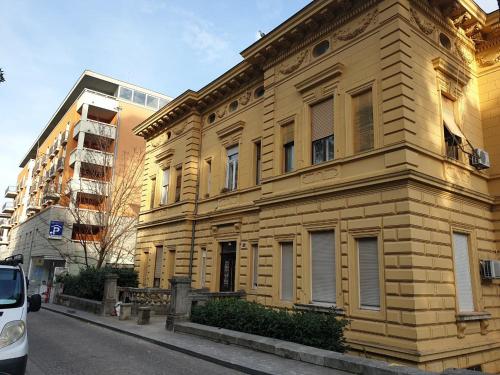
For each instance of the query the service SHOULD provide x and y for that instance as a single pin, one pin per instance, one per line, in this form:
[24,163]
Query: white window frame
[165,186]
[232,165]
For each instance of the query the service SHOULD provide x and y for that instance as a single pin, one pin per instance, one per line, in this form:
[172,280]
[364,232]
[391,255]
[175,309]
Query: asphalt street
[60,345]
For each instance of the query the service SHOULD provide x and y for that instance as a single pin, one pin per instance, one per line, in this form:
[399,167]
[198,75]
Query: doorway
[227,266]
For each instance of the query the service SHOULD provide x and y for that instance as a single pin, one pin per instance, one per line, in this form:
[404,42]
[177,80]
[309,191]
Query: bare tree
[2,78]
[103,203]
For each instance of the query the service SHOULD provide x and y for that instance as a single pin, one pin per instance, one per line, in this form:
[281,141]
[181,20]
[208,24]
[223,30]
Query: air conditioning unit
[490,269]
[480,159]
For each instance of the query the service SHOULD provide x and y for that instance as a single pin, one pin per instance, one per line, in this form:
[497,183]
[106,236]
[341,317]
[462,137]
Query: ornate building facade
[340,164]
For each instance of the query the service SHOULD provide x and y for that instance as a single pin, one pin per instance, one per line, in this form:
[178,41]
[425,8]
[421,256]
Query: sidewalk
[231,356]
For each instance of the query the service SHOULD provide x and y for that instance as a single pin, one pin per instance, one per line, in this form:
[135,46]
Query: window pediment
[327,74]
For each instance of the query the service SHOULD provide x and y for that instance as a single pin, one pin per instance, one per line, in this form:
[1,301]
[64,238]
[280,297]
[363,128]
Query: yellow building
[67,175]
[340,164]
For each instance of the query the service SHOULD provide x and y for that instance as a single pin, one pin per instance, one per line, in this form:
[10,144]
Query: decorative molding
[299,59]
[318,176]
[483,63]
[161,139]
[221,112]
[426,27]
[447,69]
[230,129]
[245,98]
[180,128]
[366,21]
[327,74]
[463,53]
[164,154]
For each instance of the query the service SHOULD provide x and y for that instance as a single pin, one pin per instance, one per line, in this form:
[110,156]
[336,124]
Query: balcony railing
[97,99]
[60,164]
[5,223]
[88,155]
[8,207]
[98,128]
[88,186]
[43,159]
[64,137]
[11,192]
[52,171]
[50,194]
[33,205]
[46,176]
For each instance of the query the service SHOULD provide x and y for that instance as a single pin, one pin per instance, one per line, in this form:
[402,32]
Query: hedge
[89,283]
[317,329]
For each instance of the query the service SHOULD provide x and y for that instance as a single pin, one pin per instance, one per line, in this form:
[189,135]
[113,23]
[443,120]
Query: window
[158,266]
[209,176]
[125,93]
[164,186]
[153,193]
[362,110]
[211,118]
[232,168]
[287,271]
[255,266]
[321,48]
[323,267]
[233,106]
[444,41]
[139,97]
[163,103]
[152,101]
[178,183]
[288,147]
[463,278]
[452,133]
[322,131]
[203,266]
[259,92]
[258,162]
[368,271]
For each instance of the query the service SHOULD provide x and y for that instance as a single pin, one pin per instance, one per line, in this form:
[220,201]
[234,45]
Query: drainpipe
[195,212]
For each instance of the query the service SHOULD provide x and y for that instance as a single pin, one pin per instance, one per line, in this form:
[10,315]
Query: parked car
[14,307]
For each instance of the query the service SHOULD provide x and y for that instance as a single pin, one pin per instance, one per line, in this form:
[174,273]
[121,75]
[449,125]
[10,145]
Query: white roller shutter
[369,280]
[287,271]
[462,272]
[323,267]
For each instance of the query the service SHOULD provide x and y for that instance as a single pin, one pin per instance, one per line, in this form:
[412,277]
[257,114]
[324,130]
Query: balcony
[52,151]
[52,171]
[88,155]
[4,240]
[50,194]
[46,176]
[64,137]
[34,187]
[11,192]
[43,160]
[33,205]
[102,102]
[8,207]
[88,186]
[60,164]
[5,223]
[90,217]
[98,128]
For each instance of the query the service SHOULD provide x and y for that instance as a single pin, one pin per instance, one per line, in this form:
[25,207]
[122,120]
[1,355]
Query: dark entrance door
[227,266]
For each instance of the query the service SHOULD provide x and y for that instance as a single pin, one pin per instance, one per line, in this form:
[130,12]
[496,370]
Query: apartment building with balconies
[340,165]
[58,195]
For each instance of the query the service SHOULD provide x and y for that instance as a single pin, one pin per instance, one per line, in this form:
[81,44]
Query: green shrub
[89,283]
[321,330]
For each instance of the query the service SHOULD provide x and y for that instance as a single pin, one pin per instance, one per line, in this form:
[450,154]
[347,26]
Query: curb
[217,361]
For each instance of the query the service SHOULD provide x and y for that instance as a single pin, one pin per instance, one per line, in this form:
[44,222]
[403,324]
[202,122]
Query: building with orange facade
[62,186]
[344,163]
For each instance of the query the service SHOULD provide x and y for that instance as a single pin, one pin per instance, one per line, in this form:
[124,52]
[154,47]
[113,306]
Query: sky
[164,45]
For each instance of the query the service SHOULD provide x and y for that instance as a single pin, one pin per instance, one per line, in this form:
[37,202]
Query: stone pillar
[180,302]
[110,292]
[85,111]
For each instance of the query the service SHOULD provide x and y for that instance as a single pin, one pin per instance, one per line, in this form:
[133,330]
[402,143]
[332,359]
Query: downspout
[195,212]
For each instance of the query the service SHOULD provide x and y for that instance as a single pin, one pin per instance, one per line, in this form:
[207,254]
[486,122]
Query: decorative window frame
[280,159]
[355,309]
[321,226]
[278,240]
[349,116]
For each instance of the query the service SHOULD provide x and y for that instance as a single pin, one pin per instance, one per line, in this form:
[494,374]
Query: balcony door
[227,266]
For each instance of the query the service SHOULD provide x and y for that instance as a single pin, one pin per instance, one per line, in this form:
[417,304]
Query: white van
[14,306]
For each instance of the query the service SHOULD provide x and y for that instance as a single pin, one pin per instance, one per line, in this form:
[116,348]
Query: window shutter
[287,133]
[363,121]
[165,182]
[255,270]
[462,272]
[287,271]
[322,120]
[323,267]
[158,261]
[369,281]
[449,118]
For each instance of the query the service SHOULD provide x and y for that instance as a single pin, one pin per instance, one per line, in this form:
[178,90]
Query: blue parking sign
[56,229]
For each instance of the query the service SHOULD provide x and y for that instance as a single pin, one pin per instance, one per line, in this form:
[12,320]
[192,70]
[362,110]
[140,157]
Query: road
[60,345]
